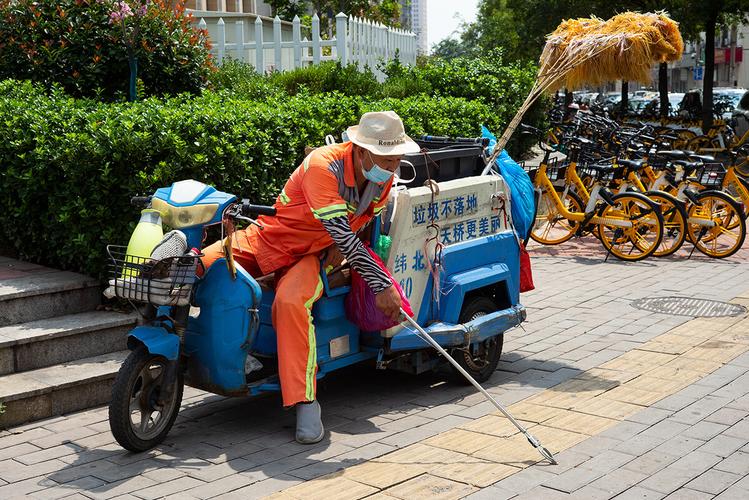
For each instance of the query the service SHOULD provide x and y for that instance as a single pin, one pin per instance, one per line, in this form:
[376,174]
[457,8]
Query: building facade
[240,6]
[414,18]
[730,68]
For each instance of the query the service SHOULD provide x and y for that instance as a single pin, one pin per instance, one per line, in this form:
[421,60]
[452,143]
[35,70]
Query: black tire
[733,224]
[130,381]
[674,220]
[484,363]
[568,227]
[616,241]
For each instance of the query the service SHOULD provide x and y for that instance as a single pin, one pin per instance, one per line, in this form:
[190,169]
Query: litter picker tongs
[531,439]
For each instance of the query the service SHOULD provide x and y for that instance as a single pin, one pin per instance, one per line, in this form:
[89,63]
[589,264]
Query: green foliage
[78,44]
[383,11]
[70,165]
[502,87]
[327,77]
[242,80]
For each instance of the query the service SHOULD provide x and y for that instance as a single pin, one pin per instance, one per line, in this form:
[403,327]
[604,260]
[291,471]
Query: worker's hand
[333,257]
[389,302]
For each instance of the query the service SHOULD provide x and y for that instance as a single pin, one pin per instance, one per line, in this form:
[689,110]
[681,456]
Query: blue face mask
[376,173]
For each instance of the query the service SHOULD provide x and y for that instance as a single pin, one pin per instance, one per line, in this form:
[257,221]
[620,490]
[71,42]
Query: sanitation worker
[332,195]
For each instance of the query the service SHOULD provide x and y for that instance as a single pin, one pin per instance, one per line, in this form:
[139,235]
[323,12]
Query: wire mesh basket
[602,173]
[711,175]
[164,282]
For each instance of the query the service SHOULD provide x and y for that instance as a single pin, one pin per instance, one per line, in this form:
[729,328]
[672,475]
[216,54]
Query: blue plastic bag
[522,201]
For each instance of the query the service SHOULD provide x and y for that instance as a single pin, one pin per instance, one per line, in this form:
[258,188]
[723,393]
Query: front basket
[165,282]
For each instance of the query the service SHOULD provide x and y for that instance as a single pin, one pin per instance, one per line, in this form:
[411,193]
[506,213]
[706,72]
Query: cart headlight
[180,217]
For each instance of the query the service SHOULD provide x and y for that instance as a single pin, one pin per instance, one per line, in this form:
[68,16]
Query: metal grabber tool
[531,439]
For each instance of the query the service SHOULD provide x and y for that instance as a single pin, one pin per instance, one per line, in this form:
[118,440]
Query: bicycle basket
[711,175]
[602,173]
[530,169]
[555,171]
[165,282]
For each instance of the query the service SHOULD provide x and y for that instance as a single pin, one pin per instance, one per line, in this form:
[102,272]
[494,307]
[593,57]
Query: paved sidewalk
[671,412]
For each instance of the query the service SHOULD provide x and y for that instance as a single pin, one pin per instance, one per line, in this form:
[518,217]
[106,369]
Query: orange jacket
[322,187]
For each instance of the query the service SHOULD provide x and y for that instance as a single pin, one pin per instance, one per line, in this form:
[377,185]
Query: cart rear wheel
[138,421]
[480,361]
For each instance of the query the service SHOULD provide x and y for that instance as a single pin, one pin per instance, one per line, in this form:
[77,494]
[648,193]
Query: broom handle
[547,77]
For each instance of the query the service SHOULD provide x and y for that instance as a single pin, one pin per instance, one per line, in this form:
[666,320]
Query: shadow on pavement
[215,437]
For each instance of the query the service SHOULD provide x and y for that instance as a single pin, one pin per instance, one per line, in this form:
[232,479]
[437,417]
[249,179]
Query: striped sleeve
[356,254]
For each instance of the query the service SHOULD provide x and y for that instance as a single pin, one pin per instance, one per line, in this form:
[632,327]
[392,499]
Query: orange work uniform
[321,188]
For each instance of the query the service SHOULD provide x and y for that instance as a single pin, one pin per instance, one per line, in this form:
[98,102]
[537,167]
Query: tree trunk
[624,104]
[663,88]
[707,87]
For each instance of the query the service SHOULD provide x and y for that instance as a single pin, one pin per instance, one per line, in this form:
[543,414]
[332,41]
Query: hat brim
[407,146]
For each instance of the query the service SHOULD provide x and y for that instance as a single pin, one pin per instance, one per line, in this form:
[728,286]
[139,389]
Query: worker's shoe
[309,429]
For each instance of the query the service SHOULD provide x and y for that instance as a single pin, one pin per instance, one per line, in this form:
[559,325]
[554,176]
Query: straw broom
[593,51]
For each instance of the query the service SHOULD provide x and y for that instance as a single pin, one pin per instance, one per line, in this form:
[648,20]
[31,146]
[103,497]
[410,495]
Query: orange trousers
[297,288]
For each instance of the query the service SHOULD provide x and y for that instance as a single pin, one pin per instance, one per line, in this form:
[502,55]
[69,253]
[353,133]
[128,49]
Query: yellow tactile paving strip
[458,462]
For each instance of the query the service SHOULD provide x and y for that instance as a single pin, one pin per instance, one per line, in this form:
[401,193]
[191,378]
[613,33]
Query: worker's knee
[211,254]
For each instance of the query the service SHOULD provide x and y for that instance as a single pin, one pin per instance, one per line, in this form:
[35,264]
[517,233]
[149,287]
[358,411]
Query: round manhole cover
[685,306]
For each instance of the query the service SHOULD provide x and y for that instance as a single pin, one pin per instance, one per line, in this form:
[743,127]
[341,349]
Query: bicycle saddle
[631,164]
[705,158]
[674,154]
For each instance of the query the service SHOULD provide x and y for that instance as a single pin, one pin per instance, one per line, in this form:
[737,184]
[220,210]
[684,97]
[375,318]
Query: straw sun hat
[382,133]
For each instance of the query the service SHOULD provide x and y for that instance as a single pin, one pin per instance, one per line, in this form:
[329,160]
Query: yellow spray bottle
[147,234]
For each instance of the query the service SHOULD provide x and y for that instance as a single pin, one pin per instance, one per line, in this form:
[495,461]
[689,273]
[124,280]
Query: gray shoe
[309,429]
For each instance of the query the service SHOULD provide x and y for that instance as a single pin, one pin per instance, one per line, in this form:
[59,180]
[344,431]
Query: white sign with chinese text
[463,210]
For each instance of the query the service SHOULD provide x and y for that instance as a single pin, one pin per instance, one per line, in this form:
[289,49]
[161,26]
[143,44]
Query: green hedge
[485,79]
[68,167]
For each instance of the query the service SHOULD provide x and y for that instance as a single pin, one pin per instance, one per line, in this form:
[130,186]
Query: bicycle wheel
[644,234]
[725,237]
[551,227]
[674,222]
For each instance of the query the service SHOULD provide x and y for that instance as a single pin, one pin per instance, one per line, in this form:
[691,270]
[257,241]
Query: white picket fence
[356,40]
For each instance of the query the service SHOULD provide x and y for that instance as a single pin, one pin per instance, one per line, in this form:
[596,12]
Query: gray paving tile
[680,445]
[573,479]
[689,494]
[543,492]
[727,416]
[668,480]
[723,445]
[639,445]
[666,429]
[618,481]
[651,462]
[639,493]
[705,430]
[700,409]
[491,493]
[624,430]
[739,429]
[650,416]
[738,463]
[713,481]
[525,480]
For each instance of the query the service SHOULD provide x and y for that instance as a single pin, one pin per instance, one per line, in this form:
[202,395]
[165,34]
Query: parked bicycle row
[633,190]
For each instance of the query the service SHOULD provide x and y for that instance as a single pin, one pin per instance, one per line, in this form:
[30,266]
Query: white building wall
[419,21]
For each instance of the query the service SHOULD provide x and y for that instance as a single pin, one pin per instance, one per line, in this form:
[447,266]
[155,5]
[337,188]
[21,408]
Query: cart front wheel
[479,360]
[138,418]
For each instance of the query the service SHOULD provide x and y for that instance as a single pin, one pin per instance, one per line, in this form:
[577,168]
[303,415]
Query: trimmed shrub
[487,80]
[69,166]
[83,46]
[329,76]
